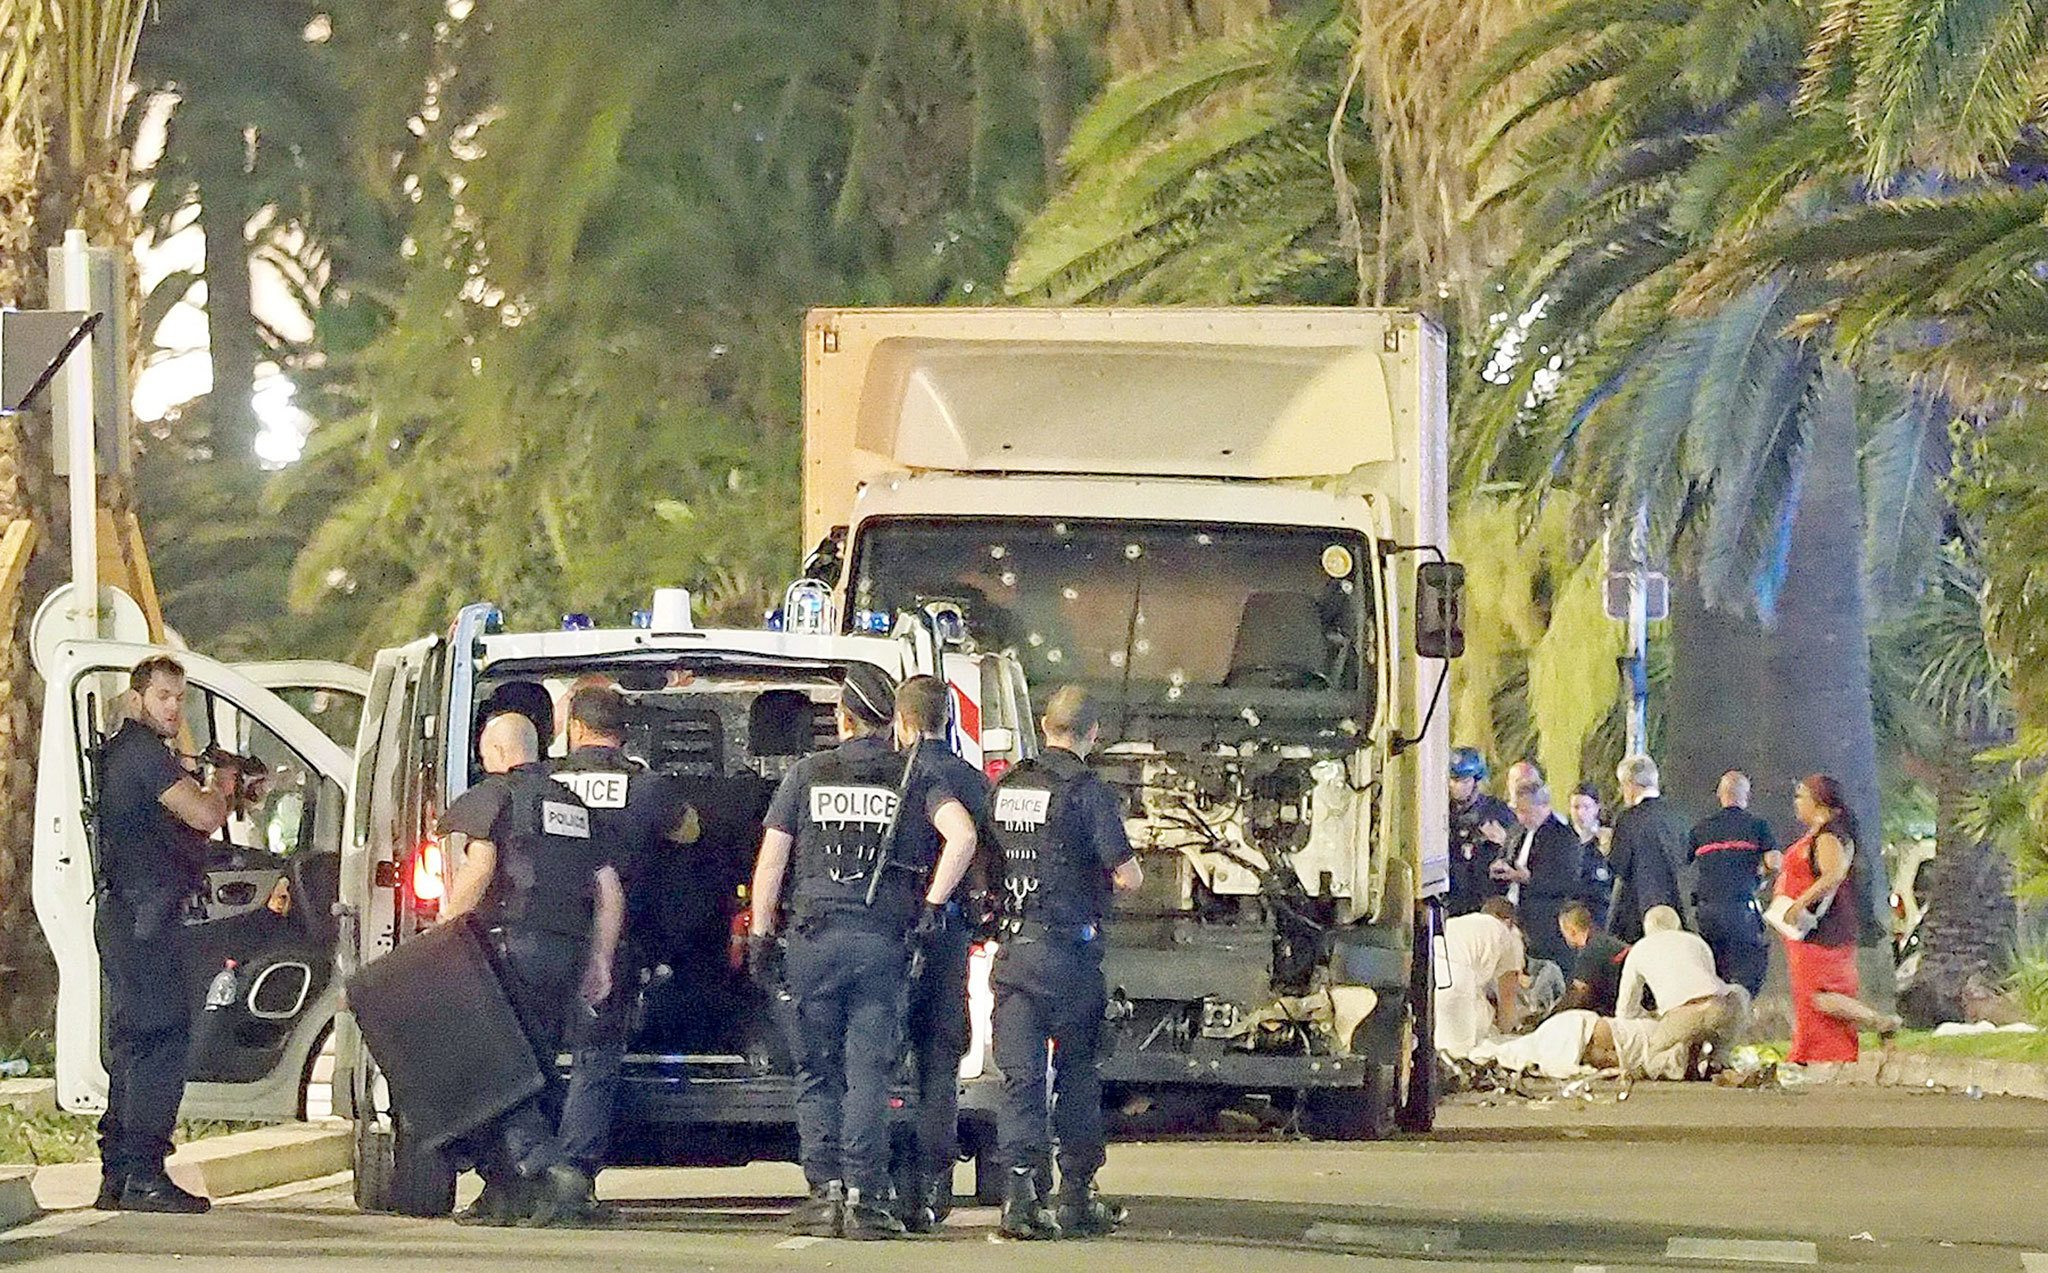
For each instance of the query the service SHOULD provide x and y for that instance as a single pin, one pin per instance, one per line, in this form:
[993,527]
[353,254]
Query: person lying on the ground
[1576,1043]
[1694,1006]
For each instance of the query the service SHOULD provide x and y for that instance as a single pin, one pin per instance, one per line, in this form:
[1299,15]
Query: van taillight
[427,885]
[995,767]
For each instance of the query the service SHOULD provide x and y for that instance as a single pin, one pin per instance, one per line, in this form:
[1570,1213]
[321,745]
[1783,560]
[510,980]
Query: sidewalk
[240,1162]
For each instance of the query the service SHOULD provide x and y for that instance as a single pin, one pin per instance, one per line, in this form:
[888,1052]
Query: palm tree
[64,65]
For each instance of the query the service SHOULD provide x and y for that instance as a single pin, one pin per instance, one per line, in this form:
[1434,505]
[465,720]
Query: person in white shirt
[1694,1006]
[1485,956]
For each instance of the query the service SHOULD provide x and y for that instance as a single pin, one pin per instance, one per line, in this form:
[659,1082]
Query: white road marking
[797,1244]
[2031,1261]
[1742,1250]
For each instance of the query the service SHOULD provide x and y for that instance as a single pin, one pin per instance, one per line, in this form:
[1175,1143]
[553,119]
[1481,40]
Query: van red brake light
[428,883]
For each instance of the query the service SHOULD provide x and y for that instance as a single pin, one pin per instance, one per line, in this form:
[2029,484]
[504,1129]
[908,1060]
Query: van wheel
[395,1174]
[1351,1113]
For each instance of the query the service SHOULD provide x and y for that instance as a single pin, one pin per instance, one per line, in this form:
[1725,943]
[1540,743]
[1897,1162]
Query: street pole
[1639,632]
[78,429]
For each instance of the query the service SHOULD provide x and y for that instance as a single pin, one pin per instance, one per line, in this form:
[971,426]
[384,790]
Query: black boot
[561,1193]
[915,1207]
[496,1207]
[112,1185]
[870,1218]
[144,1193]
[822,1215]
[1024,1216]
[1084,1213]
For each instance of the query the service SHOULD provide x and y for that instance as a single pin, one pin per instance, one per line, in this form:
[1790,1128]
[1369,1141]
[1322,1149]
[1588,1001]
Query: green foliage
[1207,179]
[586,387]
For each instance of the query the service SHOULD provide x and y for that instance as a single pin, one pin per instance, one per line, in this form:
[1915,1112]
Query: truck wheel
[1417,1111]
[1351,1113]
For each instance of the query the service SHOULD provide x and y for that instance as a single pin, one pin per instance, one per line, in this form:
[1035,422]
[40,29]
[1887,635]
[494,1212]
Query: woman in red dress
[1826,1014]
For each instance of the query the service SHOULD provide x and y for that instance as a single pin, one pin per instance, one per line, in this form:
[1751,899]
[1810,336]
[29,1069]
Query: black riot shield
[441,1028]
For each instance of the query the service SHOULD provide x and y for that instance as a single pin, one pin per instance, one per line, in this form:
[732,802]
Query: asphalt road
[1676,1177]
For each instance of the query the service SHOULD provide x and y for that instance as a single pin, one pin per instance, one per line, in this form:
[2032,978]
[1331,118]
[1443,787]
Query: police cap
[867,696]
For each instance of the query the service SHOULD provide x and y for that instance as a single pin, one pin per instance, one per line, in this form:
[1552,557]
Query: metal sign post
[78,431]
[1638,597]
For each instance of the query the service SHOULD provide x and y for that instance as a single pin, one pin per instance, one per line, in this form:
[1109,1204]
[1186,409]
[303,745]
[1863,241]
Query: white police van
[708,1079]
[269,949]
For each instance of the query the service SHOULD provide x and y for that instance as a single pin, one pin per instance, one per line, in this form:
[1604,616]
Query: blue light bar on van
[871,621]
[577,622]
[807,609]
[643,618]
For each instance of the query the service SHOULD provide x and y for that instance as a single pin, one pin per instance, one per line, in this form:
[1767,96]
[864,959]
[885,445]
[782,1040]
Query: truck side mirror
[1440,610]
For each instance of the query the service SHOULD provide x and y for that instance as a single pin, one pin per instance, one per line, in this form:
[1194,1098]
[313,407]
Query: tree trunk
[1714,717]
[1971,920]
[233,339]
[1815,698]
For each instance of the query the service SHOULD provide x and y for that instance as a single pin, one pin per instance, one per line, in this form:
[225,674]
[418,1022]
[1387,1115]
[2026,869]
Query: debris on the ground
[1865,1236]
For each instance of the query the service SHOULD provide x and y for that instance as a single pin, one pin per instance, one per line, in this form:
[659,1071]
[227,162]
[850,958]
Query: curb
[17,1196]
[220,1166]
[30,1096]
[1952,1073]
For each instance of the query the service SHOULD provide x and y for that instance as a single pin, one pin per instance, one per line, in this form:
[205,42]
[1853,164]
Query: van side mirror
[1440,610]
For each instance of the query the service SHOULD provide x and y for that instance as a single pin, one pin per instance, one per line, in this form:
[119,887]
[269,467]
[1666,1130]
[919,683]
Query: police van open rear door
[258,940]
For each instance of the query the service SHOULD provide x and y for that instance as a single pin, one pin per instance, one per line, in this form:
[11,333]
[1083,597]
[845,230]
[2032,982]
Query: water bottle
[222,992]
[14,1069]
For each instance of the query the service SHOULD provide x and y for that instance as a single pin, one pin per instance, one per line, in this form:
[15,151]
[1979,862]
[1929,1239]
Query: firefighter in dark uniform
[1731,852]
[831,830]
[936,1023]
[542,887]
[1063,850]
[153,820]
[639,816]
[1479,835]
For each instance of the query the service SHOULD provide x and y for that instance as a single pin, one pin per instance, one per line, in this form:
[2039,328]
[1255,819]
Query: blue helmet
[1466,762]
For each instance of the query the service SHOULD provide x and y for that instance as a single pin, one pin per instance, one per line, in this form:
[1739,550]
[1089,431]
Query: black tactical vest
[627,804]
[548,857]
[1051,874]
[846,805]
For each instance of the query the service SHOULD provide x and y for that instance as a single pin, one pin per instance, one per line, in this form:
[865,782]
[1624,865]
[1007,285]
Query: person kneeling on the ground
[1484,953]
[1695,1007]
[1596,967]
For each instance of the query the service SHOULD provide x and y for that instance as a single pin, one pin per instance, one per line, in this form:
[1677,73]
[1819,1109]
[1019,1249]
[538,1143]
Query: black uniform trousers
[543,972]
[939,1035]
[847,981]
[1050,991]
[1734,931]
[598,1049]
[148,1028]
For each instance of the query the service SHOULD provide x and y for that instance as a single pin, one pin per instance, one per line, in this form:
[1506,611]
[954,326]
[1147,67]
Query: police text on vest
[874,805]
[597,790]
[564,819]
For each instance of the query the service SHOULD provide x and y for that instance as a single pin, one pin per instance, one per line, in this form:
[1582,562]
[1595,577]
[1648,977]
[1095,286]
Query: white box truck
[1229,524]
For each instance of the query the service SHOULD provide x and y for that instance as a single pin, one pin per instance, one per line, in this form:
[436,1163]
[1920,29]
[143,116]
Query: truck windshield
[1173,617]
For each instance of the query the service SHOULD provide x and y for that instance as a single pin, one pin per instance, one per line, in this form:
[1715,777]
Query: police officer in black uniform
[1063,848]
[832,830]
[937,1020]
[1479,835]
[542,885]
[639,816]
[154,818]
